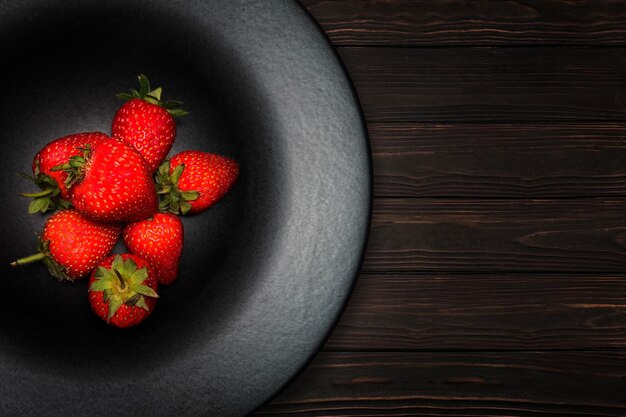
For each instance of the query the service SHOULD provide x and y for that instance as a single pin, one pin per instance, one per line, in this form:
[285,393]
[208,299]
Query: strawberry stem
[39,194]
[122,283]
[29,259]
[120,277]
[56,270]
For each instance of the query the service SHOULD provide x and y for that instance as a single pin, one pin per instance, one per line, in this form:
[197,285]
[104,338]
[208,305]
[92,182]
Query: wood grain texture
[483,312]
[571,235]
[458,384]
[466,22]
[489,84]
[498,160]
[493,284]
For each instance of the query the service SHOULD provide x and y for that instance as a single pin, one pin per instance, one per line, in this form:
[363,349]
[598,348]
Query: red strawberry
[111,183]
[122,290]
[147,123]
[193,181]
[52,183]
[159,240]
[72,245]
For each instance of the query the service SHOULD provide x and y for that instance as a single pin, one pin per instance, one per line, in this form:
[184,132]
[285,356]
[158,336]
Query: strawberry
[54,193]
[122,290]
[72,245]
[147,123]
[192,181]
[111,183]
[159,240]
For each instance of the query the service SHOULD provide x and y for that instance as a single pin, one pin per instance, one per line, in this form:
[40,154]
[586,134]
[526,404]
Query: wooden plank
[570,235]
[465,22]
[483,312]
[498,160]
[489,84]
[458,384]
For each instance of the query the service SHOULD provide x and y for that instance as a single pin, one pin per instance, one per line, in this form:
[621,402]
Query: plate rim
[370,194]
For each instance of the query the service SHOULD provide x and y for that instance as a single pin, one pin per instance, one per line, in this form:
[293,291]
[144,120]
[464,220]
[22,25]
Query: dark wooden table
[494,281]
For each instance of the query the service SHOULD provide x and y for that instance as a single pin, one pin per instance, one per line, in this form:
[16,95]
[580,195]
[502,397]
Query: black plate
[265,273]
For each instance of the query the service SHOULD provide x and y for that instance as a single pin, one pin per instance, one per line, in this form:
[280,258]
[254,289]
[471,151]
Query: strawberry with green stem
[54,194]
[192,181]
[147,123]
[122,290]
[111,183]
[71,245]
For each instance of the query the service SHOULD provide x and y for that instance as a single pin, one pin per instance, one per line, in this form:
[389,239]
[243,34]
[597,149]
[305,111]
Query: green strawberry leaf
[77,161]
[174,207]
[189,195]
[164,203]
[118,263]
[63,203]
[151,100]
[144,86]
[144,290]
[178,112]
[142,303]
[46,205]
[156,93]
[177,173]
[164,169]
[184,207]
[138,276]
[130,266]
[44,246]
[36,205]
[172,104]
[45,200]
[26,176]
[57,270]
[103,273]
[114,304]
[100,285]
[124,96]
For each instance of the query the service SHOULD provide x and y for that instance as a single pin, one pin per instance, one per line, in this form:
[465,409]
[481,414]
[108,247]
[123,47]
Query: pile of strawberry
[107,186]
